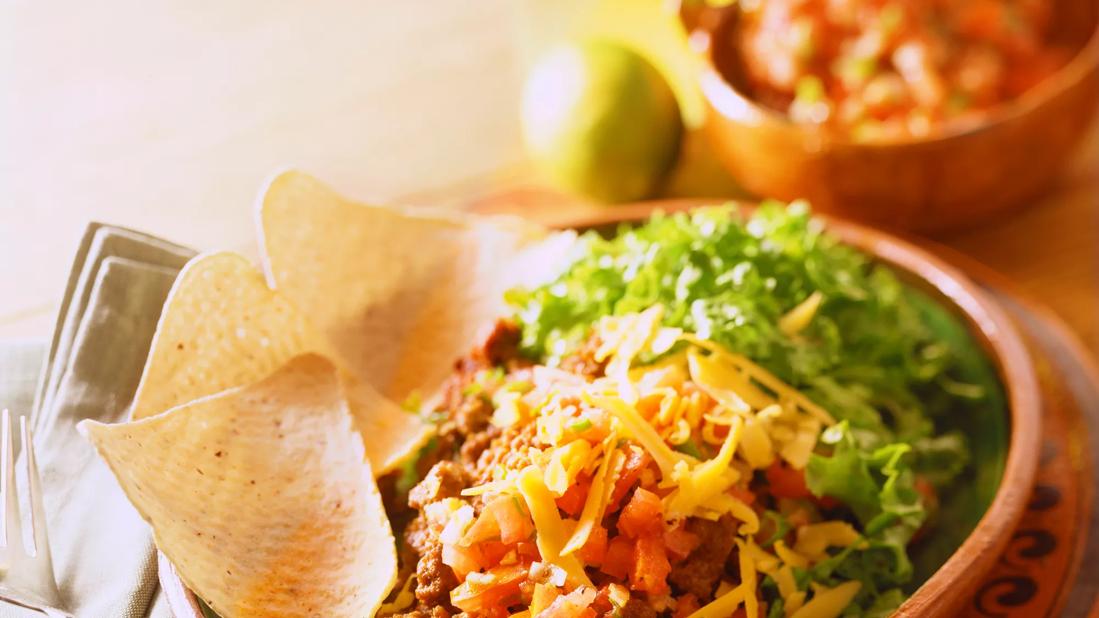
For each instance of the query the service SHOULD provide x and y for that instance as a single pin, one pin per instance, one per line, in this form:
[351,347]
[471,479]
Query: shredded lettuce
[874,354]
[878,485]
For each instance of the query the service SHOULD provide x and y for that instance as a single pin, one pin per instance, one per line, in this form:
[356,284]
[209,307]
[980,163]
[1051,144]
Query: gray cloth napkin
[19,365]
[103,552]
[99,243]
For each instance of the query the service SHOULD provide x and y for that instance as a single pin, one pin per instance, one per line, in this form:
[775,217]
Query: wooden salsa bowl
[958,178]
[953,585]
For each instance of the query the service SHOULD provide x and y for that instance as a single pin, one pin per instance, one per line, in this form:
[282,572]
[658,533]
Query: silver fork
[26,574]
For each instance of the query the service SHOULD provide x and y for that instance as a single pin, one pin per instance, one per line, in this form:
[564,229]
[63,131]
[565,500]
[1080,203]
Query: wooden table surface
[168,118]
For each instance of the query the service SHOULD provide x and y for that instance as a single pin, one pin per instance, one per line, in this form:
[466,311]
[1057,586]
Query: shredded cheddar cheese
[701,485]
[798,318]
[814,539]
[790,557]
[723,606]
[829,602]
[596,501]
[748,578]
[550,530]
[639,429]
[784,578]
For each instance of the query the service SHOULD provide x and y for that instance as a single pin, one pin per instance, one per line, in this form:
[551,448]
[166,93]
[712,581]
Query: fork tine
[13,526]
[34,493]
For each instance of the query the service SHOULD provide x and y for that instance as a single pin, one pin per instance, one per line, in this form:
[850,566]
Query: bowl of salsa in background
[950,175]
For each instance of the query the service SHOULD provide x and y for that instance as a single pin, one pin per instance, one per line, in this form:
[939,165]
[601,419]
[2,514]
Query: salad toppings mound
[703,416]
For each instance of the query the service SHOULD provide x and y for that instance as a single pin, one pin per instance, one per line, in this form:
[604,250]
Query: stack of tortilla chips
[268,402]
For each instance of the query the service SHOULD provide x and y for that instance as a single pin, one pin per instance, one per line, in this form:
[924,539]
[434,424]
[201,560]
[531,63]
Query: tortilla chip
[222,327]
[400,295]
[261,496]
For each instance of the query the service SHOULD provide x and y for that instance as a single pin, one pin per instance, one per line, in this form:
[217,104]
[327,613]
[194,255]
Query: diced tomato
[643,515]
[651,567]
[649,405]
[572,502]
[619,558]
[927,490]
[489,553]
[600,426]
[462,560]
[483,593]
[679,543]
[482,529]
[931,503]
[594,549]
[576,604]
[786,482]
[685,606]
[602,603]
[544,596]
[485,543]
[743,494]
[560,609]
[636,460]
[529,550]
[512,519]
[981,19]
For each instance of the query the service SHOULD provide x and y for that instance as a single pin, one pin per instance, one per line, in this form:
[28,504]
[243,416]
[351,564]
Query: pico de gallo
[889,69]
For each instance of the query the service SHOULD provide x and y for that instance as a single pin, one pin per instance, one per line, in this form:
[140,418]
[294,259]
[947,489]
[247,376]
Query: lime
[601,121]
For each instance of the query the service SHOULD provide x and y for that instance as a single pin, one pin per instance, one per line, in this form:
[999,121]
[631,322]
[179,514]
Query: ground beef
[467,411]
[434,580]
[502,344]
[419,536]
[425,612]
[509,449]
[700,572]
[582,361]
[472,414]
[446,479]
[475,445]
[637,608]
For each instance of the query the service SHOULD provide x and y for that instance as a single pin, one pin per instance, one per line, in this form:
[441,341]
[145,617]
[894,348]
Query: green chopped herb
[519,386]
[581,425]
[777,609]
[782,527]
[435,417]
[690,448]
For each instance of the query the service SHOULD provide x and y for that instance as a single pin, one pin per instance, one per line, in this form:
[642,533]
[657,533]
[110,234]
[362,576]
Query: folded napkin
[103,552]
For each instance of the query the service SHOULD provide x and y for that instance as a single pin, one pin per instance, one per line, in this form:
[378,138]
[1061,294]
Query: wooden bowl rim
[988,322]
[722,94]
